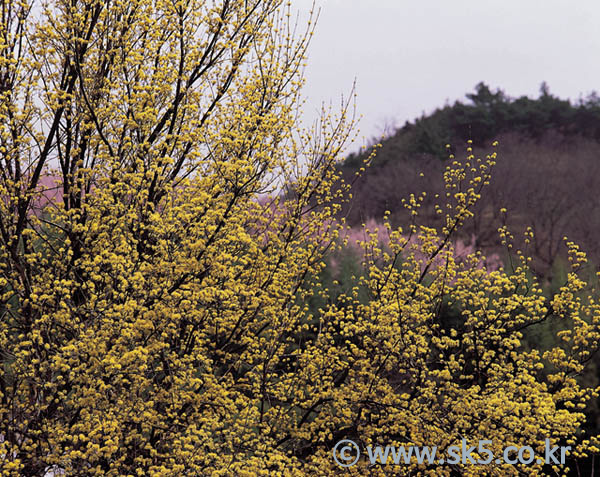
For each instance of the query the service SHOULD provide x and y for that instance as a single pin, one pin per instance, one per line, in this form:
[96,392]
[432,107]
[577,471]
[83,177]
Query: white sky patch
[411,57]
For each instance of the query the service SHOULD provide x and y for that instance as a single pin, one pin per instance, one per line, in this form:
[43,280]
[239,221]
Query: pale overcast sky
[412,56]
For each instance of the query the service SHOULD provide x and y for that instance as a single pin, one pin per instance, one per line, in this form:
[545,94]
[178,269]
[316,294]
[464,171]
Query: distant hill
[547,176]
[488,114]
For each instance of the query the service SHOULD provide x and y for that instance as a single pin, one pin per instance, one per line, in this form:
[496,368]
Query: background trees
[546,176]
[155,314]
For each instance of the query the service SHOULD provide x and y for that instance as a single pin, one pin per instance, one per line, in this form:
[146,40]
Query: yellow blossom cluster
[163,221]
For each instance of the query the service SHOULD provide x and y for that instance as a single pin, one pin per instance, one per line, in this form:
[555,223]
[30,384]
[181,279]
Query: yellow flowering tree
[163,220]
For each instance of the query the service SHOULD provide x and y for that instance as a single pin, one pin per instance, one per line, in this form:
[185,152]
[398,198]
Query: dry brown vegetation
[550,184]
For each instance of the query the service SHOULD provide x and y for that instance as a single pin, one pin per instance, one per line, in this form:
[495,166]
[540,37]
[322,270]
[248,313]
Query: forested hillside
[546,176]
